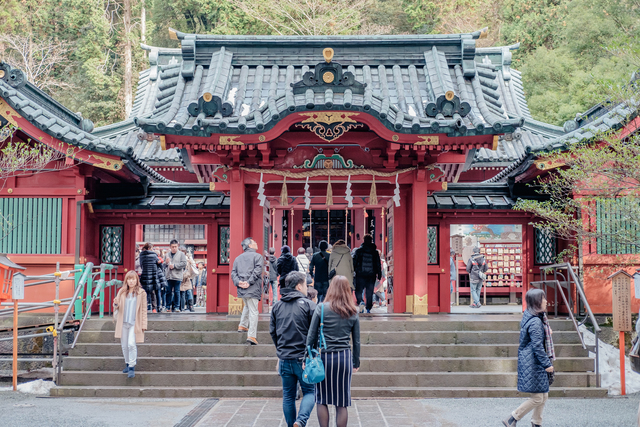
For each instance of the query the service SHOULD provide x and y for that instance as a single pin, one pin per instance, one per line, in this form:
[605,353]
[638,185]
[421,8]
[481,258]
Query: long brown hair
[339,297]
[125,285]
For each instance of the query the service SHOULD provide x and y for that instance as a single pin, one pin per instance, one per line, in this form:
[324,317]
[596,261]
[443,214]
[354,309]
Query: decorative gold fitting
[1,74]
[328,54]
[449,95]
[328,77]
[484,33]
[10,190]
[57,274]
[172,34]
[213,270]
[207,97]
[212,186]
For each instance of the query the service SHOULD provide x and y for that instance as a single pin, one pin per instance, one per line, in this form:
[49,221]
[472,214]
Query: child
[312,294]
[130,311]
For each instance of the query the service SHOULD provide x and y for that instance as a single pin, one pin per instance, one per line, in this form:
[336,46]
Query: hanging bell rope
[373,195]
[284,196]
[329,193]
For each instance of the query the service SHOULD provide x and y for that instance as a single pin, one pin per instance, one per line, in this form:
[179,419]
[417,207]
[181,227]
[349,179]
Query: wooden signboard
[621,288]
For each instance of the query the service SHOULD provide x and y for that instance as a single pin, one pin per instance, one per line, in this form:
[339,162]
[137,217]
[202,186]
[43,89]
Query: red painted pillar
[402,284]
[237,214]
[419,254]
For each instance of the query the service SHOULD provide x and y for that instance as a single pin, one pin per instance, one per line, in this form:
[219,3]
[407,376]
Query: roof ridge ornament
[328,75]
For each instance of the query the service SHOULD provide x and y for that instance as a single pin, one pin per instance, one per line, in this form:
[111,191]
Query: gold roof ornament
[328,54]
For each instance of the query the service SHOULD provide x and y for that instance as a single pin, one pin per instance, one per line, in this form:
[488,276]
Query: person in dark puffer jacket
[286,264]
[162,280]
[149,276]
[368,268]
[535,357]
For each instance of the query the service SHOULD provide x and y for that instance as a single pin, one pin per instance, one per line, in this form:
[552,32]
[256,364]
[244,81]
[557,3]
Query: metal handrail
[100,286]
[573,278]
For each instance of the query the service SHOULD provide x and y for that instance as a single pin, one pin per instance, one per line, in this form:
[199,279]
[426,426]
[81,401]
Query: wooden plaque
[621,288]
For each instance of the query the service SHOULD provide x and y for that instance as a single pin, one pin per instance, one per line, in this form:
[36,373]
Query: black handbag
[332,273]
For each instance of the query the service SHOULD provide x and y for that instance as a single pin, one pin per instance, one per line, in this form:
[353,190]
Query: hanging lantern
[373,194]
[348,197]
[284,196]
[329,194]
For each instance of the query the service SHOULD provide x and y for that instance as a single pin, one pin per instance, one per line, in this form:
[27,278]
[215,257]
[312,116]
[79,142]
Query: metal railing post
[88,292]
[102,276]
[56,310]
[77,304]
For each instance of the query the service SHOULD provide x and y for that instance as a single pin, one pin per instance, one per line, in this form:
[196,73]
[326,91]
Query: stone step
[367,364]
[113,348]
[366,337]
[175,323]
[276,392]
[272,379]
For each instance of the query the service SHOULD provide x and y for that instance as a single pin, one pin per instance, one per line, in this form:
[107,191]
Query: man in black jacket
[366,263]
[290,320]
[319,268]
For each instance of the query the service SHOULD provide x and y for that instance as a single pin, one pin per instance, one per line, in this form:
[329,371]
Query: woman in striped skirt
[341,324]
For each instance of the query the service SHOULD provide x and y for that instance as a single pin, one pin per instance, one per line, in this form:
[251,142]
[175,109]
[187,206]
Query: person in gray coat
[247,277]
[476,267]
[176,263]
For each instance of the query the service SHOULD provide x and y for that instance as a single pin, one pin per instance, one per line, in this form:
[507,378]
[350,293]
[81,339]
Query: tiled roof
[64,125]
[246,84]
[601,118]
[172,196]
[470,196]
[533,135]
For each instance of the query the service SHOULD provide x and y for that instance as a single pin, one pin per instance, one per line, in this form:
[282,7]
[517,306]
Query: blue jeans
[274,287]
[475,292]
[163,296]
[173,294]
[291,373]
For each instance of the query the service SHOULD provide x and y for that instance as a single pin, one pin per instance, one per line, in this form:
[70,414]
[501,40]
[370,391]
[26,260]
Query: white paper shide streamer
[396,193]
[261,195]
[348,197]
[307,195]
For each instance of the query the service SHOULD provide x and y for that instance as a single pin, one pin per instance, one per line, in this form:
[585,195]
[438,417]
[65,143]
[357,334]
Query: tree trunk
[143,24]
[128,69]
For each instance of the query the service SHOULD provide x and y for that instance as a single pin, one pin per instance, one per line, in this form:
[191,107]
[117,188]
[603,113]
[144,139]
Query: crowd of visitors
[172,280]
[364,268]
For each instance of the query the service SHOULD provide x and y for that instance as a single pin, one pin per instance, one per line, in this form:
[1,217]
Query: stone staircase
[440,356]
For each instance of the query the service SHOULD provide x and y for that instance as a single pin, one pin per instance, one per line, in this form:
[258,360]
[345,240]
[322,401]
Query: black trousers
[365,283]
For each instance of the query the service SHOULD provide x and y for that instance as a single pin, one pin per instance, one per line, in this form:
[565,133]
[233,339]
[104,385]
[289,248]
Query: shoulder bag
[332,273]
[314,368]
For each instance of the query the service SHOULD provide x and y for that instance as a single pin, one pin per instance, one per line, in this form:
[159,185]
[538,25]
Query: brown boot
[252,341]
[242,329]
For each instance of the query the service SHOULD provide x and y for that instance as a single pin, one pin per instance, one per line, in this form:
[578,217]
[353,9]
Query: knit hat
[323,245]
[285,249]
[476,250]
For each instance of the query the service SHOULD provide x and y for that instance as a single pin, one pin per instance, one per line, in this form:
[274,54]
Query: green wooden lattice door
[31,225]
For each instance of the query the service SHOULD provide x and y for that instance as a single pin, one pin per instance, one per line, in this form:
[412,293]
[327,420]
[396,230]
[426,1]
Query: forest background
[86,53]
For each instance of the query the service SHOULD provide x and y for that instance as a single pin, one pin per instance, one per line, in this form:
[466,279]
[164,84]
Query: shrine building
[423,141]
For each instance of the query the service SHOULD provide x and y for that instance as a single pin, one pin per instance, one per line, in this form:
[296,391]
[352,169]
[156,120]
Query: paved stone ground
[19,410]
[613,412]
